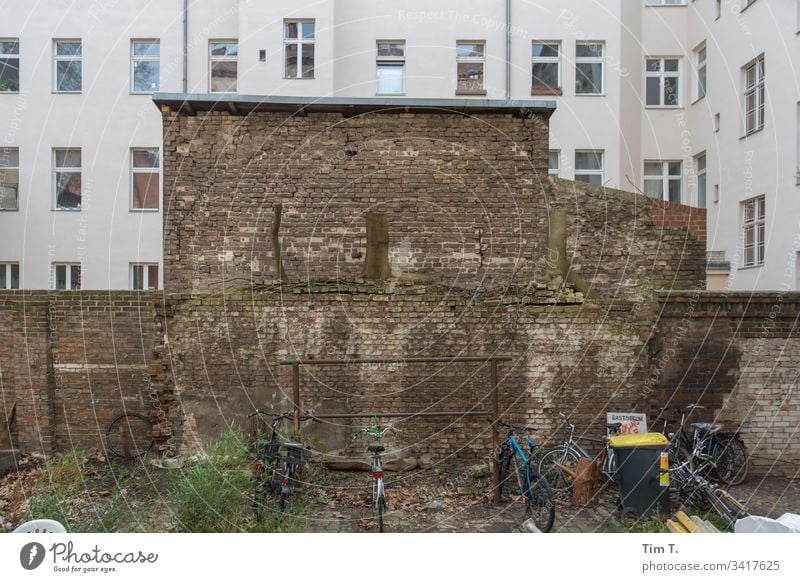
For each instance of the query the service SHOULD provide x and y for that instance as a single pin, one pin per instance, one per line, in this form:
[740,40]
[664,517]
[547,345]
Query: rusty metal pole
[495,436]
[296,394]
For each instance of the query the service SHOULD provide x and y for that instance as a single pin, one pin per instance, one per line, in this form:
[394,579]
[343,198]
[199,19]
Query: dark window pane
[308,61]
[469,50]
[223,76]
[589,78]
[391,49]
[674,168]
[14,276]
[146,76]
[9,188]
[224,49]
[588,160]
[9,158]
[9,47]
[308,30]
[675,191]
[671,91]
[147,49]
[701,191]
[9,74]
[545,75]
[653,96]
[68,76]
[594,179]
[61,276]
[75,276]
[3,282]
[152,276]
[68,158]
[545,50]
[68,190]
[68,49]
[290,29]
[589,50]
[146,190]
[137,277]
[145,158]
[291,61]
[653,65]
[470,76]
[671,65]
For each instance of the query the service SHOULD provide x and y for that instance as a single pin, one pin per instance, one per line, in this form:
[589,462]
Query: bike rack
[494,413]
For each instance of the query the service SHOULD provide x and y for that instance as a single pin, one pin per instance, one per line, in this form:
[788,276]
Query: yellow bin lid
[639,440]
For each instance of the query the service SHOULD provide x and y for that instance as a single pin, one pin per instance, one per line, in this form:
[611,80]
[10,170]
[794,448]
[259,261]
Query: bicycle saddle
[707,426]
[376,448]
[293,446]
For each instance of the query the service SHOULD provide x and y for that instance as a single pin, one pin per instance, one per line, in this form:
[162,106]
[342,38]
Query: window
[666,2]
[145,66]
[298,43]
[754,96]
[662,180]
[753,219]
[9,178]
[663,82]
[470,67]
[9,65]
[718,9]
[144,276]
[589,58]
[747,3]
[67,176]
[145,179]
[702,72]
[546,68]
[589,167]
[390,67]
[9,275]
[554,163]
[66,276]
[716,122]
[68,69]
[223,65]
[700,168]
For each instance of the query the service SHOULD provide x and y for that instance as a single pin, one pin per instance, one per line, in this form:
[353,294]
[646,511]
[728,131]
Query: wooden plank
[675,527]
[686,522]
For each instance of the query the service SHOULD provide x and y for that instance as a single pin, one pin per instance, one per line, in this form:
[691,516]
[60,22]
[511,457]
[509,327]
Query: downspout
[508,50]
[185,46]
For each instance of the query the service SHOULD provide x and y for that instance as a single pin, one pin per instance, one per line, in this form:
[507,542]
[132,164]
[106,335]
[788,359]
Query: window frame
[662,74]
[11,56]
[759,234]
[145,276]
[590,172]
[395,61]
[299,42]
[550,170]
[67,276]
[666,3]
[222,59]
[144,170]
[467,60]
[67,58]
[758,90]
[7,268]
[137,58]
[545,90]
[700,67]
[702,177]
[591,60]
[4,151]
[73,169]
[664,178]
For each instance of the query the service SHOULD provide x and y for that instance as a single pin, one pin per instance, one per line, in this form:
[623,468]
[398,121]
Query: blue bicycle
[532,485]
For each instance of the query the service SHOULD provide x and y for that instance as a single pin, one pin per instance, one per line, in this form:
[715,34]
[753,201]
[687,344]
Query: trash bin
[642,474]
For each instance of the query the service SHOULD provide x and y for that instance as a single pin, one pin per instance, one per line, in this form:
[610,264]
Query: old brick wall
[738,354]
[466,197]
[72,361]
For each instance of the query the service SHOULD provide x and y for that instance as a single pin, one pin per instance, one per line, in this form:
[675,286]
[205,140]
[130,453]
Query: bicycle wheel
[130,435]
[506,472]
[286,484]
[539,503]
[559,480]
[732,460]
[381,508]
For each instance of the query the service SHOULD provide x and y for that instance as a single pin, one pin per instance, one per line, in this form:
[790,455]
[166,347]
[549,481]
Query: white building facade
[692,101]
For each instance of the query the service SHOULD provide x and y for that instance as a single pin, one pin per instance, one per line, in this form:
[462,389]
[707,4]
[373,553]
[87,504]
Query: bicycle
[702,494]
[719,456]
[266,476]
[558,465]
[376,449]
[533,486]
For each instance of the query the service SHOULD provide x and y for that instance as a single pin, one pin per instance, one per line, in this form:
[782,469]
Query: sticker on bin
[638,440]
[632,422]
[663,470]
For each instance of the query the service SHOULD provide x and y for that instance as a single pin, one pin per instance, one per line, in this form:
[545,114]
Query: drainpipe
[508,50]
[185,45]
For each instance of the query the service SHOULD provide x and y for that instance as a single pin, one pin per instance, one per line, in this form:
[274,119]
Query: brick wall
[75,360]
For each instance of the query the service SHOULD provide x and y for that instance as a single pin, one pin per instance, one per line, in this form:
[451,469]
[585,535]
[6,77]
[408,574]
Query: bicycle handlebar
[680,409]
[280,415]
[514,426]
[372,432]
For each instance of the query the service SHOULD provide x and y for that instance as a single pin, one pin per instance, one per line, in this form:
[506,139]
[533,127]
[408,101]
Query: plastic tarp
[787,523]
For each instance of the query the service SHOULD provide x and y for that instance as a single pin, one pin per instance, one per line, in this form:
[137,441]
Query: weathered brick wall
[466,197]
[79,359]
[739,355]
[7,380]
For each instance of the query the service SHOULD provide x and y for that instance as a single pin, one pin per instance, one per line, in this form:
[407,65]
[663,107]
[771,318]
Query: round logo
[31,555]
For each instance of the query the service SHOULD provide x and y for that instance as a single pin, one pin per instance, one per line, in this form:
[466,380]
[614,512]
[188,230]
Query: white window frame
[665,2]
[145,276]
[12,56]
[662,75]
[758,91]
[554,172]
[601,60]
[67,276]
[549,61]
[134,170]
[665,178]
[591,172]
[702,177]
[701,71]
[58,58]
[7,268]
[757,223]
[481,60]
[299,42]
[5,164]
[223,58]
[395,61]
[149,58]
[57,169]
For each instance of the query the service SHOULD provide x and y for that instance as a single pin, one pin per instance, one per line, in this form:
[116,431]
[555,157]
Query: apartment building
[692,101]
